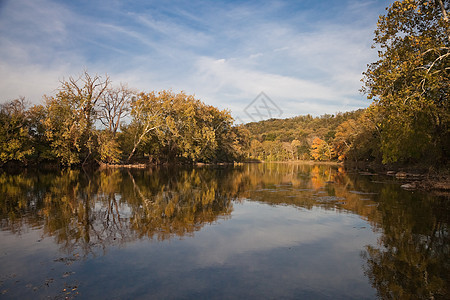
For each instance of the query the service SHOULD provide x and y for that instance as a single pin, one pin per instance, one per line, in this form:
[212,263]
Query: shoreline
[412,177]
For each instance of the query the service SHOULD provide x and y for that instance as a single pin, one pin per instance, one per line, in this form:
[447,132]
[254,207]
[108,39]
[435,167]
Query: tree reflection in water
[85,212]
[412,260]
[88,212]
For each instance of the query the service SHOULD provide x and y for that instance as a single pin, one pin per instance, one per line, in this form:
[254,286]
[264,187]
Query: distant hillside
[300,127]
[301,137]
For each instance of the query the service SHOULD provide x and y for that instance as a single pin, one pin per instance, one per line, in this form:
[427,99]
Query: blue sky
[306,56]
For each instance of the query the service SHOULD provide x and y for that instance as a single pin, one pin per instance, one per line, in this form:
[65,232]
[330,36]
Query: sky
[258,59]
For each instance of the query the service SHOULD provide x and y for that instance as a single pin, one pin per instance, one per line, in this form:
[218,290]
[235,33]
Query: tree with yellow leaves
[320,150]
[70,118]
[410,82]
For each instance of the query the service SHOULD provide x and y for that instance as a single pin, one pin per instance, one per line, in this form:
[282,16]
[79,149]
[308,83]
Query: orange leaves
[320,150]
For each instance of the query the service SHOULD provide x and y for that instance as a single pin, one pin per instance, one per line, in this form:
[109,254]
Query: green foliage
[36,116]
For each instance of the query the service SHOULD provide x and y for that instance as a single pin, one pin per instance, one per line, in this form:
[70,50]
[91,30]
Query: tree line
[323,138]
[91,121]
[408,121]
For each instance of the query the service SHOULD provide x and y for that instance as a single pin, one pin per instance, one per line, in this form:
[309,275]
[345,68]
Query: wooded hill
[301,138]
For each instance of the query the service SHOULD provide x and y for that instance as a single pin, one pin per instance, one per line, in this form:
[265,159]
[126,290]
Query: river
[254,231]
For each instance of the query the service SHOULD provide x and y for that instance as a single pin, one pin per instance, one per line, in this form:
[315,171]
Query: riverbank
[411,177]
[428,182]
[303,162]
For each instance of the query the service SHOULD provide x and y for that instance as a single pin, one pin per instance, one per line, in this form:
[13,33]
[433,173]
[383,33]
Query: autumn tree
[36,116]
[146,112]
[197,132]
[256,149]
[189,124]
[410,82]
[114,105]
[238,143]
[85,123]
[168,126]
[320,150]
[70,118]
[15,144]
[295,144]
[200,132]
[108,147]
[358,139]
[231,142]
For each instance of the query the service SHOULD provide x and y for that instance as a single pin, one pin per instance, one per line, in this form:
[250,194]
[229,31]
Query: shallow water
[254,231]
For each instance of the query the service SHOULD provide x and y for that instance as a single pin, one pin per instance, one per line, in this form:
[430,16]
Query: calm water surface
[260,231]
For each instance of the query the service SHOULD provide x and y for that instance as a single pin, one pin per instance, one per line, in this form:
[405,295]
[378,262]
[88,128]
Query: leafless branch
[115,105]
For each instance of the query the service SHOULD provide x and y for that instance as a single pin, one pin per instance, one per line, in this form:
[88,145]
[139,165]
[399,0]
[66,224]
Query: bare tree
[445,17]
[81,95]
[84,92]
[115,105]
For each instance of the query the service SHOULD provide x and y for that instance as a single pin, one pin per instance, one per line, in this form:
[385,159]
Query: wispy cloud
[307,56]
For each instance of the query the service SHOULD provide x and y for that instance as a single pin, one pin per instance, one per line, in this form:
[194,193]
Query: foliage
[36,116]
[108,147]
[178,127]
[85,122]
[146,112]
[14,138]
[63,130]
[409,118]
[410,81]
[292,139]
[70,118]
[320,150]
[358,139]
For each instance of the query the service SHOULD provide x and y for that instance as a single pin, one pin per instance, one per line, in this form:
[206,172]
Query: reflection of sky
[256,227]
[262,250]
[27,261]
